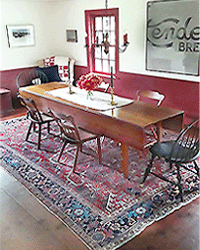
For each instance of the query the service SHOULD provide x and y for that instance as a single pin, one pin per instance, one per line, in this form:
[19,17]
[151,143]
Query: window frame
[90,16]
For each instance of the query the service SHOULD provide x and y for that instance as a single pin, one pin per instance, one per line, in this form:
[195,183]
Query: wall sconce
[106,43]
[125,45]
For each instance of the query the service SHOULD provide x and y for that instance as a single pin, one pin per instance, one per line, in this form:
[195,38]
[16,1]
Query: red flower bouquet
[89,82]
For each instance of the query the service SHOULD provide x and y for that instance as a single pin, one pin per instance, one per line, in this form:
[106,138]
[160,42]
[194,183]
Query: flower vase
[90,95]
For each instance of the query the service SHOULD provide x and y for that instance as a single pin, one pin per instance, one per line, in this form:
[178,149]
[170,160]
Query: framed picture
[20,35]
[172,41]
[72,36]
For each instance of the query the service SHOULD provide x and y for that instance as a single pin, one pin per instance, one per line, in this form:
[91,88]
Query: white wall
[23,12]
[52,18]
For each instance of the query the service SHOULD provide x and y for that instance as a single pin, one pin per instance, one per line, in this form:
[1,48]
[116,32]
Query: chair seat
[46,118]
[164,149]
[84,136]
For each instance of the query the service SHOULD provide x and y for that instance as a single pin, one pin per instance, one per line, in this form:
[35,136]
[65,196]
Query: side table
[5,101]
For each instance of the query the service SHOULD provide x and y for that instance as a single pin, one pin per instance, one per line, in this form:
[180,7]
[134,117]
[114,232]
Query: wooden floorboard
[25,224]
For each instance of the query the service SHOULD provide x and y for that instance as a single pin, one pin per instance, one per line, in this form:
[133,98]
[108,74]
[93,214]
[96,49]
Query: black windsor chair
[179,152]
[31,77]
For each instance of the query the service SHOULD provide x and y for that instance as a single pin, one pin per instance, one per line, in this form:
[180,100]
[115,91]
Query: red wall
[8,81]
[180,94]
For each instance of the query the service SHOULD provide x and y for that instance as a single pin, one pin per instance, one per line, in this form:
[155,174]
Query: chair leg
[39,135]
[76,157]
[81,148]
[154,133]
[102,138]
[196,167]
[99,150]
[48,127]
[65,142]
[34,127]
[179,181]
[147,171]
[29,130]
[140,153]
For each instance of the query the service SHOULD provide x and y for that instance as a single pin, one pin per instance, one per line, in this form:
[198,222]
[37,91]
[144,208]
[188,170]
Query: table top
[138,113]
[143,114]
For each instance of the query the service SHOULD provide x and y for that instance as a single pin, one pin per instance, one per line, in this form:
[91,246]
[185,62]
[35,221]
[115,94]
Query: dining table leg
[159,131]
[125,160]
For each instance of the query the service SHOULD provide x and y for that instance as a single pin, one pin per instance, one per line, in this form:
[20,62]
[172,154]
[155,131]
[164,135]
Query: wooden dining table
[125,124]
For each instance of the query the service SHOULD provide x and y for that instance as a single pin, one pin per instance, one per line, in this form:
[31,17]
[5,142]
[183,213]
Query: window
[99,24]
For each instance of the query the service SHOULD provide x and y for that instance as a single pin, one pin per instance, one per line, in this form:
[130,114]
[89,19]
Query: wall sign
[20,35]
[173,37]
[72,36]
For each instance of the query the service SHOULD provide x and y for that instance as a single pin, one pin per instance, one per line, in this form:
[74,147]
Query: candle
[125,39]
[111,77]
[69,70]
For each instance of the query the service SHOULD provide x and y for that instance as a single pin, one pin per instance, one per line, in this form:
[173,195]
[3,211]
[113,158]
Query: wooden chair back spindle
[186,145]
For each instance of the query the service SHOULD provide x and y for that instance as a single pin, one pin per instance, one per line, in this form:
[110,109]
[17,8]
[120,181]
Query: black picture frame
[21,35]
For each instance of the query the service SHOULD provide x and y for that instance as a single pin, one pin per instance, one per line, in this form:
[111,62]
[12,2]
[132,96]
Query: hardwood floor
[27,225]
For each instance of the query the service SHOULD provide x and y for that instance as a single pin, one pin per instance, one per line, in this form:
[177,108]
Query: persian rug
[98,204]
